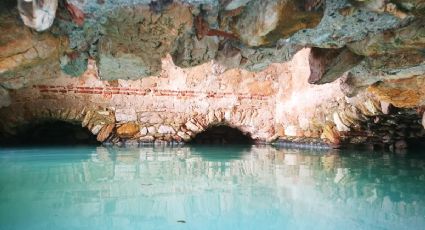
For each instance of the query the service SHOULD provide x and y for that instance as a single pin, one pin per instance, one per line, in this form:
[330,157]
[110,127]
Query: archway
[222,134]
[51,133]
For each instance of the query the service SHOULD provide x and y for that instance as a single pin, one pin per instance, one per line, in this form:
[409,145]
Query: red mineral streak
[203,29]
[108,91]
[76,13]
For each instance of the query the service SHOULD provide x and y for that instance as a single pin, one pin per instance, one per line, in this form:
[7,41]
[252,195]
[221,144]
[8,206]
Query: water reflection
[209,188]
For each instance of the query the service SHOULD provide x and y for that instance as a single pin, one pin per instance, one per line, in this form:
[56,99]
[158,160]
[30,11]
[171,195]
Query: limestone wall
[277,103]
[175,105]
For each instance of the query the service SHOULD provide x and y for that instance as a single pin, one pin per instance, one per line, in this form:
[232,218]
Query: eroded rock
[38,14]
[402,93]
[26,56]
[105,132]
[265,22]
[327,65]
[133,40]
[191,52]
[134,49]
[331,134]
[409,39]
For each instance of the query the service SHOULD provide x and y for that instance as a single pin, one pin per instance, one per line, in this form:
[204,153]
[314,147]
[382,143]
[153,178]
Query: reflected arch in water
[145,187]
[218,153]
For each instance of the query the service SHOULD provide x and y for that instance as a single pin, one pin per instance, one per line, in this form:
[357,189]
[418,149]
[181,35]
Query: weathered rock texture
[265,22]
[27,56]
[342,71]
[38,14]
[275,104]
[138,37]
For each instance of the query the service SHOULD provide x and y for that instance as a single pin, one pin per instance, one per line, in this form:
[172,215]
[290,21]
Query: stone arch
[96,124]
[221,133]
[50,132]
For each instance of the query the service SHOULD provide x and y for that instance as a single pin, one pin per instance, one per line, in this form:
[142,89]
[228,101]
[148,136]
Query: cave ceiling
[362,41]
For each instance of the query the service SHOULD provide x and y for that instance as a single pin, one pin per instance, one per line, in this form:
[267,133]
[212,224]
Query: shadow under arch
[222,134]
[50,132]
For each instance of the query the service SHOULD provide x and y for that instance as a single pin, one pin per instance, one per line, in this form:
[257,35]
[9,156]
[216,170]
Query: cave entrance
[222,134]
[51,133]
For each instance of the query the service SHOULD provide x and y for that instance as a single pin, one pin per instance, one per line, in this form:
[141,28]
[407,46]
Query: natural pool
[222,187]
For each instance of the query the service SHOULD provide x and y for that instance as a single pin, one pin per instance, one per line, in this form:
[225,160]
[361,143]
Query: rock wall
[334,71]
[276,104]
[173,106]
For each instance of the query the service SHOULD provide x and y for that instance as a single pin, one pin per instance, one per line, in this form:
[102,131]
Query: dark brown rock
[327,65]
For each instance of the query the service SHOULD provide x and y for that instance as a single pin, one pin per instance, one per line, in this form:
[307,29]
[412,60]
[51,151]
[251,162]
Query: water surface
[222,187]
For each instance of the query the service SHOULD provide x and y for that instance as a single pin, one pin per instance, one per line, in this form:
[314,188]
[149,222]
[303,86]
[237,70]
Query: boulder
[105,132]
[128,130]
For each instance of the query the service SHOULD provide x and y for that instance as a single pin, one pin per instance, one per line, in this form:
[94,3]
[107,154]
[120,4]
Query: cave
[50,133]
[199,64]
[200,113]
[222,135]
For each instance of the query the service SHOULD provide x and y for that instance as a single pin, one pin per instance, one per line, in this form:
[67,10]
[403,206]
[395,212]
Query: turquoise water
[209,188]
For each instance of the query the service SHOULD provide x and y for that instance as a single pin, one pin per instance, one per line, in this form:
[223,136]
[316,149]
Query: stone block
[165,129]
[125,115]
[128,130]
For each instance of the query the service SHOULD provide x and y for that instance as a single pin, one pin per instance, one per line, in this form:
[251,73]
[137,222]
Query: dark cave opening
[222,134]
[50,133]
